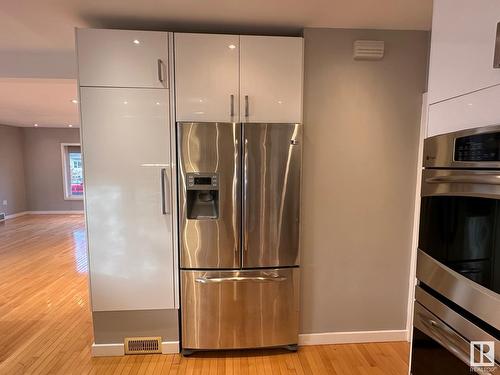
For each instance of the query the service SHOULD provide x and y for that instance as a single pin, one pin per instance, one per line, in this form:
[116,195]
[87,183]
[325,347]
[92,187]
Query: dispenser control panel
[202,181]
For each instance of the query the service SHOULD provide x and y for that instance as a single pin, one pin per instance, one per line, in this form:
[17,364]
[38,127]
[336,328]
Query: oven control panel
[478,147]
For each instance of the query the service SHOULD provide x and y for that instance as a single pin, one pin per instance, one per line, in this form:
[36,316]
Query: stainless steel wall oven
[458,261]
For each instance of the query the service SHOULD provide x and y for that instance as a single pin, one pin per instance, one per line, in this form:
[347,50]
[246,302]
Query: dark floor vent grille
[142,345]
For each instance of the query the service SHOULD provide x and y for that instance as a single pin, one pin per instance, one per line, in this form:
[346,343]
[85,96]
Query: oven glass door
[463,233]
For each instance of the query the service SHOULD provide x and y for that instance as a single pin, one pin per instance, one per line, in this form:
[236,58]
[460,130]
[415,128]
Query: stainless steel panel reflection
[433,327]
[478,300]
[464,327]
[239,309]
[271,194]
[458,182]
[439,150]
[211,148]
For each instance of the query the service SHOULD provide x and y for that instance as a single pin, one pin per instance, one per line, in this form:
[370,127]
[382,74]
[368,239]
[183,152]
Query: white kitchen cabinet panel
[126,145]
[480,108]
[271,79]
[122,58]
[206,77]
[462,47]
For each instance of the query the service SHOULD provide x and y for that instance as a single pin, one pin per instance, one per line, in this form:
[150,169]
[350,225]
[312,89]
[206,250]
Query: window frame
[66,172]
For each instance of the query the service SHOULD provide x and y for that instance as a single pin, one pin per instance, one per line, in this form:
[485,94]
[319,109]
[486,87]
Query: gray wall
[360,156]
[43,166]
[12,183]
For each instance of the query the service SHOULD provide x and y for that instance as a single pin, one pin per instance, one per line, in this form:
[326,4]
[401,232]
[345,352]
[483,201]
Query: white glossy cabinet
[477,109]
[463,83]
[122,58]
[271,76]
[126,145]
[462,47]
[206,77]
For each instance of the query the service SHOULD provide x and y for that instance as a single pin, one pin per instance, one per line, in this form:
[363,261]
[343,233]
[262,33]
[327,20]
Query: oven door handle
[488,179]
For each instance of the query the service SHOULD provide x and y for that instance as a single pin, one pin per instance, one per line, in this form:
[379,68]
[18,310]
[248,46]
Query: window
[72,171]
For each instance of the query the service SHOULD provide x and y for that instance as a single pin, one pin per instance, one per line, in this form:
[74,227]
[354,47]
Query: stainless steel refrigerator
[239,234]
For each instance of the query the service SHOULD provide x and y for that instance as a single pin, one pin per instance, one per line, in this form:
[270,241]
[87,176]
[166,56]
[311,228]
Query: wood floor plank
[46,327]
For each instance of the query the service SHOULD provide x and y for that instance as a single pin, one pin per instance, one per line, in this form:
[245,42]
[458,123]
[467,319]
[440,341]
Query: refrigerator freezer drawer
[239,309]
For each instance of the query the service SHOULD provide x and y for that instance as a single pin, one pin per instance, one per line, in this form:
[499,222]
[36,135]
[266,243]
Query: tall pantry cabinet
[128,146]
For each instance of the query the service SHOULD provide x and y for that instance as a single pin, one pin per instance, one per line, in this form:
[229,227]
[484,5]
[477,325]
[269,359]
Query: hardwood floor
[45,324]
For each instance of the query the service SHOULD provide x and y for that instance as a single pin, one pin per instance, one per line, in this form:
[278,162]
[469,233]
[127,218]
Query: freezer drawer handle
[216,280]
[465,179]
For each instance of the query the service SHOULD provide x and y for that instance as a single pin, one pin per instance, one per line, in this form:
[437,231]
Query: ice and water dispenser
[202,196]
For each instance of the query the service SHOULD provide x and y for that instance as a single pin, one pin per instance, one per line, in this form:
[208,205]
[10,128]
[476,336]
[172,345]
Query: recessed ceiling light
[125,102]
[36,125]
[136,41]
[70,126]
[157,103]
[74,101]
[231,46]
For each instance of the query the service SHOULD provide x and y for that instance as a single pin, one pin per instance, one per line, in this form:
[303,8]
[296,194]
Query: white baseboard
[107,350]
[55,212]
[114,350]
[170,347]
[352,337]
[13,216]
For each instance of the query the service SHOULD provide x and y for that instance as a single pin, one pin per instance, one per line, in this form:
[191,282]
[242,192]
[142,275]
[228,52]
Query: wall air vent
[142,345]
[2,216]
[368,50]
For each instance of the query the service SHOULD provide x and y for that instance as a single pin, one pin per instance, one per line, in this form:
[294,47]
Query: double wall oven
[458,262]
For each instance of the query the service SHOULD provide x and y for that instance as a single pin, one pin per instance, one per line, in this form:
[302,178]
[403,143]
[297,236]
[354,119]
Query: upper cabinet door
[206,77]
[271,79]
[462,47]
[122,58]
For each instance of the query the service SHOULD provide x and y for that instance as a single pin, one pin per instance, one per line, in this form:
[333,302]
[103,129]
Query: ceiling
[37,64]
[46,102]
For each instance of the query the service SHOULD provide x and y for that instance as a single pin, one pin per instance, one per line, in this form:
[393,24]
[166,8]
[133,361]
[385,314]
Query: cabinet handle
[161,78]
[496,57]
[165,198]
[232,105]
[246,106]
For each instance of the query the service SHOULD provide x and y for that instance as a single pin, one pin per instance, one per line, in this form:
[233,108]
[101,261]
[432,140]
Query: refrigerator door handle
[165,200]
[217,280]
[245,187]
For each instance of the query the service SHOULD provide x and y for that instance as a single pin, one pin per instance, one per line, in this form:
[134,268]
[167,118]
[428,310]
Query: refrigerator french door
[239,234]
